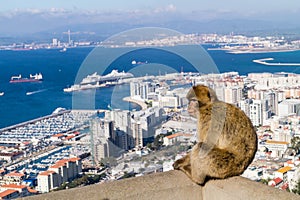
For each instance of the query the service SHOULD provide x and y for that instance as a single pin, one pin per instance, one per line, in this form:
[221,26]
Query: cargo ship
[32,78]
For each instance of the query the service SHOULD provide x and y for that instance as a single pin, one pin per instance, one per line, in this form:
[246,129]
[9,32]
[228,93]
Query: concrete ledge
[237,188]
[170,186]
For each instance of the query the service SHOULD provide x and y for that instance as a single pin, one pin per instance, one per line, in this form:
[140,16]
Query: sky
[181,5]
[17,16]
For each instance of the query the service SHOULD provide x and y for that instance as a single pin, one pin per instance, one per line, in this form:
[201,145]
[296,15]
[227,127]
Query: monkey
[227,140]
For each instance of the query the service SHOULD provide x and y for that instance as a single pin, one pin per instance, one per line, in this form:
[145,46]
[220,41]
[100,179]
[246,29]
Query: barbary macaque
[227,140]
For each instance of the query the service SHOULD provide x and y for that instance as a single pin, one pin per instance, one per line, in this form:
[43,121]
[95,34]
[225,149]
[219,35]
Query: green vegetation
[265,181]
[158,141]
[295,143]
[296,190]
[82,181]
[149,104]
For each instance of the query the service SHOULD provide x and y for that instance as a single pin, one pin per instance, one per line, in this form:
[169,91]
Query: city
[41,155]
[232,43]
[93,97]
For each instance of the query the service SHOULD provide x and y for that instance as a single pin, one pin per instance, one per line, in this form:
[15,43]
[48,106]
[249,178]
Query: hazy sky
[35,15]
[178,5]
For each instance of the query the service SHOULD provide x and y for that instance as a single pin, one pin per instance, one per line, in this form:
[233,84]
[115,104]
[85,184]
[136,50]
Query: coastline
[140,103]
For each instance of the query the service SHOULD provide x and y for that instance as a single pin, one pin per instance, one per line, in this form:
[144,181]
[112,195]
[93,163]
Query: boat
[114,75]
[78,87]
[136,63]
[95,81]
[1,94]
[63,50]
[32,78]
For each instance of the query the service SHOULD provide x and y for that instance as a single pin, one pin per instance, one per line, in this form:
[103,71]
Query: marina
[32,147]
[44,127]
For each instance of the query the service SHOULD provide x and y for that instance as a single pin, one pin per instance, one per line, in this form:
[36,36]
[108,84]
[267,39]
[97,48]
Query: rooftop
[177,135]
[46,173]
[284,169]
[276,142]
[14,186]
[14,174]
[7,192]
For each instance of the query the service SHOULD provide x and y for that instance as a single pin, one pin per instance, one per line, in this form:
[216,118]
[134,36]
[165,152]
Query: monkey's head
[199,96]
[203,94]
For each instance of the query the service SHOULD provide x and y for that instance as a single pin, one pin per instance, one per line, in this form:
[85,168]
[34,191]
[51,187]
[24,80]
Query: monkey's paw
[200,180]
[178,164]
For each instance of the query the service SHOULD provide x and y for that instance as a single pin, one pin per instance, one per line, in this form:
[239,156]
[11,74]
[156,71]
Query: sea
[25,101]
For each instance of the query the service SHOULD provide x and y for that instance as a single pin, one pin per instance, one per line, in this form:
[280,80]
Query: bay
[60,69]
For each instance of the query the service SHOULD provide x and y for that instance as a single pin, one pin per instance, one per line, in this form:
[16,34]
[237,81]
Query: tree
[296,190]
[264,181]
[295,143]
[108,161]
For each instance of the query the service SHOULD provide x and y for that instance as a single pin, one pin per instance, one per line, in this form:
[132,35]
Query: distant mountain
[42,28]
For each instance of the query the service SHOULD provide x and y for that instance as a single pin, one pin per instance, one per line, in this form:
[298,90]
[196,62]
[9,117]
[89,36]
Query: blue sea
[61,69]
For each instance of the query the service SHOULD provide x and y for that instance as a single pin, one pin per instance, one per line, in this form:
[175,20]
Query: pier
[263,62]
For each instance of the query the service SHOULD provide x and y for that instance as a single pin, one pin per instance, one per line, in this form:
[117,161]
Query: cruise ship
[94,81]
[32,78]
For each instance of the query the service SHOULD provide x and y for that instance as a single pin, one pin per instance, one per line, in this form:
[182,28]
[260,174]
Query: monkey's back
[228,128]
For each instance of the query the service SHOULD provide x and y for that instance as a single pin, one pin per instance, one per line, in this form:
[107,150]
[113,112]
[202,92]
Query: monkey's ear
[191,93]
[205,94]
[202,94]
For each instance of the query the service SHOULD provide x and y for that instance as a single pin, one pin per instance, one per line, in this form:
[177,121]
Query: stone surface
[170,185]
[237,188]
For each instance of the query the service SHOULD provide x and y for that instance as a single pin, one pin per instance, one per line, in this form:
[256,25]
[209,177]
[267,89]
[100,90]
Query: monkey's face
[199,96]
[193,107]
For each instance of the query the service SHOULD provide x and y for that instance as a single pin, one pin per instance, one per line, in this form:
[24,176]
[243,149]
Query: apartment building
[62,171]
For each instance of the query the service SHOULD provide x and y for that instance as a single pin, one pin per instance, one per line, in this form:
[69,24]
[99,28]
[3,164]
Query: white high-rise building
[135,128]
[141,89]
[272,98]
[288,107]
[62,171]
[233,94]
[245,106]
[143,125]
[47,181]
[122,121]
[103,140]
[259,112]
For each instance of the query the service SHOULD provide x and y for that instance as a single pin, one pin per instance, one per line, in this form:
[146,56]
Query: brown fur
[227,140]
